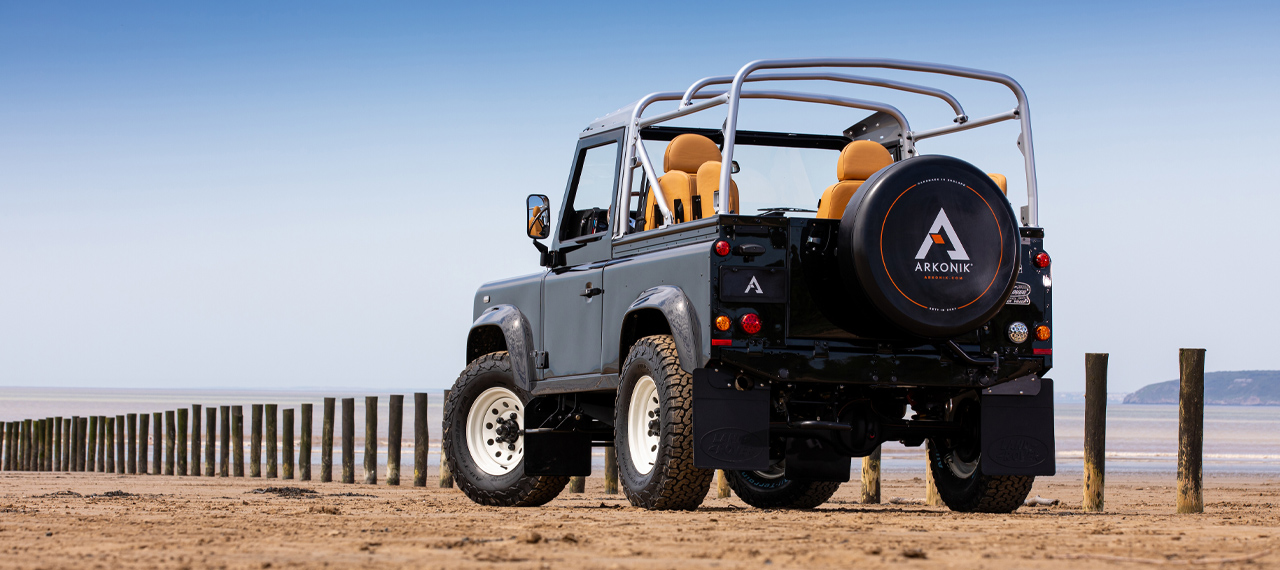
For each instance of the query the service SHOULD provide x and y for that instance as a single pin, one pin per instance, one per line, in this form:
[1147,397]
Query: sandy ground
[58,521]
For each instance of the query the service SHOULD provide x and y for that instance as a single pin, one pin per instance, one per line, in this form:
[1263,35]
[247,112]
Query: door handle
[590,292]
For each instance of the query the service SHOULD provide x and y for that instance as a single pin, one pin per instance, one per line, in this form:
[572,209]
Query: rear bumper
[908,368]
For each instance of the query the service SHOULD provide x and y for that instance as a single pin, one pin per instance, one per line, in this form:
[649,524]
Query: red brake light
[721,342]
[1041,260]
[751,323]
[722,248]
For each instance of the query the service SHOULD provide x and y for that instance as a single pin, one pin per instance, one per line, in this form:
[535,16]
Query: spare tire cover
[932,243]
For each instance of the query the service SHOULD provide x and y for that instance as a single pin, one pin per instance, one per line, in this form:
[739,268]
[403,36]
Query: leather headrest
[709,177]
[687,152]
[860,159]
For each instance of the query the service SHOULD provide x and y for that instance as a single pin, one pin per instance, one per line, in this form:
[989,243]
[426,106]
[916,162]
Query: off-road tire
[673,483]
[977,493]
[781,493]
[513,489]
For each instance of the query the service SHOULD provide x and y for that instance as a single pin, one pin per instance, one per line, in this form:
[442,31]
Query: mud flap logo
[934,236]
[1018,452]
[731,445]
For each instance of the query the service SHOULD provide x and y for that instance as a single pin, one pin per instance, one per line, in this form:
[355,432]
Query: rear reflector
[721,342]
[1036,351]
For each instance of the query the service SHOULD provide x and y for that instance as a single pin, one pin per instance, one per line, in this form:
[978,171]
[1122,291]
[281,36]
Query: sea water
[1237,439]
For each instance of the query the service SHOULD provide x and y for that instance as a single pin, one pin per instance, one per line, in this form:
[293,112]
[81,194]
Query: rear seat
[684,156]
[858,161]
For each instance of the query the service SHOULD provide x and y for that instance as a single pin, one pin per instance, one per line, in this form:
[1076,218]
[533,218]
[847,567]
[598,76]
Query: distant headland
[1238,388]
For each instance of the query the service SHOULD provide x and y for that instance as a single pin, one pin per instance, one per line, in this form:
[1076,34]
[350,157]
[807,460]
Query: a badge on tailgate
[753,284]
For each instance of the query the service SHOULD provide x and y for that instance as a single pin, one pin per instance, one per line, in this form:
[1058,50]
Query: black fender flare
[681,318]
[518,335]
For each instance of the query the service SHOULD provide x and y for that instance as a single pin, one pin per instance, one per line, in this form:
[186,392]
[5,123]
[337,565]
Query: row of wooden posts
[94,443]
[119,444]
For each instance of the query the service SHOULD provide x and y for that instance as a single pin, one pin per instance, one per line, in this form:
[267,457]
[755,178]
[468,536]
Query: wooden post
[224,438]
[170,433]
[1190,430]
[577,484]
[395,428]
[49,456]
[181,442]
[610,471]
[91,447]
[28,439]
[723,491]
[304,450]
[255,441]
[446,476]
[871,478]
[37,445]
[348,440]
[110,441]
[931,496]
[57,443]
[371,440]
[421,439]
[144,421]
[326,442]
[121,440]
[272,446]
[237,441]
[287,453]
[210,440]
[66,445]
[157,443]
[131,451]
[6,430]
[1095,430]
[195,440]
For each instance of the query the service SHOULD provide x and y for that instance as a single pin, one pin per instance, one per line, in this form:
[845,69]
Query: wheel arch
[504,327]
[664,309]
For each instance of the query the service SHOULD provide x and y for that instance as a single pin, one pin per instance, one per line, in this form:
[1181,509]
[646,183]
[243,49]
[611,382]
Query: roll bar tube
[839,77]
[1031,217]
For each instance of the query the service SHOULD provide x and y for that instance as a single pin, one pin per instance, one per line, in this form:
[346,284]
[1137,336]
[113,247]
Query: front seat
[683,157]
[858,161]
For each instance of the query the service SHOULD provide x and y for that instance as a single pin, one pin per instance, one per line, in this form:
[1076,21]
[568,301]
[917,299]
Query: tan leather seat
[858,161]
[683,157]
[708,186]
[1000,181]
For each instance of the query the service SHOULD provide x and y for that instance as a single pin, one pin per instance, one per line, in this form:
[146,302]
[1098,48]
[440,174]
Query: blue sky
[307,195]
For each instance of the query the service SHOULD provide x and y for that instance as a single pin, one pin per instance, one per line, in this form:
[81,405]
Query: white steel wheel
[643,433]
[495,435]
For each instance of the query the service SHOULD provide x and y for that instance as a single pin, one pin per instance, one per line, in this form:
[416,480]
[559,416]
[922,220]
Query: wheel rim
[495,434]
[643,427]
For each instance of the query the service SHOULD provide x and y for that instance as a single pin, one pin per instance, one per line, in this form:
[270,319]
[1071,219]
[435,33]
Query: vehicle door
[573,293]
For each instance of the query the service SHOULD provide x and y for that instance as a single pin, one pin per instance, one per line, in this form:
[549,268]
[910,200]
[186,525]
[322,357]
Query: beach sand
[195,522]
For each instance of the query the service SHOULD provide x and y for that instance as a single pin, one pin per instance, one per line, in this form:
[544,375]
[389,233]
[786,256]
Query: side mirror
[538,210]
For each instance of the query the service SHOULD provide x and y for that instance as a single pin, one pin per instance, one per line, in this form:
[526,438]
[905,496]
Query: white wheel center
[495,436]
[644,427]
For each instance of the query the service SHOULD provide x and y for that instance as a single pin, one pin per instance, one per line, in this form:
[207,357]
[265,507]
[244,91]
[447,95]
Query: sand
[64,520]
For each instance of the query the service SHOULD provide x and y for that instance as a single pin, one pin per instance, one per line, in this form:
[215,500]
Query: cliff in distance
[1239,388]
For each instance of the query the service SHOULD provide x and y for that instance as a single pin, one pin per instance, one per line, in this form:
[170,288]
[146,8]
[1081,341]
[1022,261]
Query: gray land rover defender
[818,296]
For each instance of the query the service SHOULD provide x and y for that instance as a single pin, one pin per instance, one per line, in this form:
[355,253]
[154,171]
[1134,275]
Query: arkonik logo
[957,251]
[753,284]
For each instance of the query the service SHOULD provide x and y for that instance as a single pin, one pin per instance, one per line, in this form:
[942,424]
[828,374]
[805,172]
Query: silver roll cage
[696,98]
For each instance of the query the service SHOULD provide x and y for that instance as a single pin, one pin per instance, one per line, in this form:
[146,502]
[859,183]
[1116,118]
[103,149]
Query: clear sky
[306,194]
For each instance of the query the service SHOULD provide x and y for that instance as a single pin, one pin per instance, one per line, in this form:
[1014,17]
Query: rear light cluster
[750,324]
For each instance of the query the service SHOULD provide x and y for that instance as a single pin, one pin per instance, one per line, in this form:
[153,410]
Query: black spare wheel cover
[932,243]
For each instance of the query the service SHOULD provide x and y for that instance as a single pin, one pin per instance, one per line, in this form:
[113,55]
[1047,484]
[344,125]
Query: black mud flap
[548,451]
[1017,428]
[815,459]
[730,426]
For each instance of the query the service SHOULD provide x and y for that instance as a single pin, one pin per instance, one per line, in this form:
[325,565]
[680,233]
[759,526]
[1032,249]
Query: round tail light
[751,323]
[723,323]
[1042,333]
[722,248]
[1041,260]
